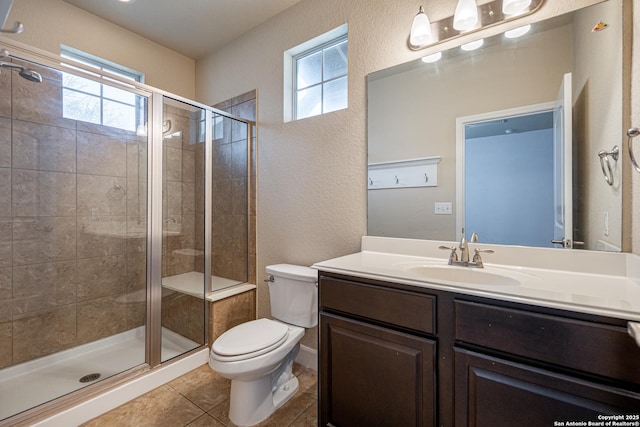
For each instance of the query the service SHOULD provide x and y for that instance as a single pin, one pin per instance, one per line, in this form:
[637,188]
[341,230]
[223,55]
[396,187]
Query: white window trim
[289,66]
[103,64]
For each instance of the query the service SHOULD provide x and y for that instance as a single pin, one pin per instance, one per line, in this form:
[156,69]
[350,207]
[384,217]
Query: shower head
[26,73]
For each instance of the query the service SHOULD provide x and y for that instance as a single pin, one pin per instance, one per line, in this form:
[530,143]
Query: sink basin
[471,276]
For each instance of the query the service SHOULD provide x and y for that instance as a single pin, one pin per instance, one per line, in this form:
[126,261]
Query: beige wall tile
[172,199]
[100,277]
[5,101]
[101,195]
[189,165]
[239,196]
[43,147]
[41,103]
[172,168]
[45,239]
[5,192]
[37,193]
[6,226]
[5,284]
[41,286]
[101,236]
[137,158]
[230,312]
[6,342]
[239,159]
[183,314]
[5,138]
[136,198]
[102,154]
[136,271]
[43,332]
[6,312]
[100,318]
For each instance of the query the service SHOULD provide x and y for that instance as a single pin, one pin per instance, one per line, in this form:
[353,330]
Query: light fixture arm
[489,15]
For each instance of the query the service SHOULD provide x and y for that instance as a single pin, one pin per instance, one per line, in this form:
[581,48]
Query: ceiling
[191,27]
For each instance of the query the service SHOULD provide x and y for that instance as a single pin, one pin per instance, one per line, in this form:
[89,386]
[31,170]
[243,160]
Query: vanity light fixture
[517,32]
[469,18]
[476,44]
[466,16]
[421,29]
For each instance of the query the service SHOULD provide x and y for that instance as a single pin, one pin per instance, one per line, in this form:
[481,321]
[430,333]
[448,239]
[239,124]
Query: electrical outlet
[606,223]
[442,208]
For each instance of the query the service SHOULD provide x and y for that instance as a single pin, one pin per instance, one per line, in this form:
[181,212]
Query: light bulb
[517,32]
[420,29]
[513,7]
[472,45]
[466,16]
[432,58]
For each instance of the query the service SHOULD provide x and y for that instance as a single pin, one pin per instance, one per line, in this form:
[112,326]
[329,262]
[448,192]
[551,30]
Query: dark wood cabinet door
[374,376]
[493,392]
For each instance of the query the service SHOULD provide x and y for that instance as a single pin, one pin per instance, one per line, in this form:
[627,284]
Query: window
[101,103]
[318,75]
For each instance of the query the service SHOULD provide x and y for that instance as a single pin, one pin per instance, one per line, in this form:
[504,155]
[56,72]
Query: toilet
[257,356]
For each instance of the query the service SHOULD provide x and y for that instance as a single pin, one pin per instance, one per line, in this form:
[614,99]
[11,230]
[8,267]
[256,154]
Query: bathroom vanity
[406,340]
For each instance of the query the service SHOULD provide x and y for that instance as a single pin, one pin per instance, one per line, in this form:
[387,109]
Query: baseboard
[137,387]
[308,357]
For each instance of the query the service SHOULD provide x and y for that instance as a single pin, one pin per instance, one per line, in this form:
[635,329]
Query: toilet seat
[249,340]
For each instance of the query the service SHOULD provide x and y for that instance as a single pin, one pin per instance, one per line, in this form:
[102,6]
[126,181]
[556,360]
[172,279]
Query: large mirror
[504,140]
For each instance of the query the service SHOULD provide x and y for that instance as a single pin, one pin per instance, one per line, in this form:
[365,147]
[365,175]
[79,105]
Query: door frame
[461,122]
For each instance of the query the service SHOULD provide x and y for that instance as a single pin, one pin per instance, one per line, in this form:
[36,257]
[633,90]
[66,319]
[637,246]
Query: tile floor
[201,398]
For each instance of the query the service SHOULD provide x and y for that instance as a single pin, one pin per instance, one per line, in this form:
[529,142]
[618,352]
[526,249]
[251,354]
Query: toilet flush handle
[270,279]
[633,328]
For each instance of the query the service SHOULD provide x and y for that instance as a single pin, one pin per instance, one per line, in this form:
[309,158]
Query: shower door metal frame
[153,327]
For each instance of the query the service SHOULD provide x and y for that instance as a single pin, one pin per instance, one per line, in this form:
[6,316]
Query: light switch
[442,208]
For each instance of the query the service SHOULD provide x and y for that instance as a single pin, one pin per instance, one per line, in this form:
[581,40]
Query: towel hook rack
[632,133]
[604,160]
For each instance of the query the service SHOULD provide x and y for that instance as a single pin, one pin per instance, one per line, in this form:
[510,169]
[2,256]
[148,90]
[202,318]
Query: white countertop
[606,284]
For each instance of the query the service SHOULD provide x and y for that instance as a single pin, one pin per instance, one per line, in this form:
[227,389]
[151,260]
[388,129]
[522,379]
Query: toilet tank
[293,292]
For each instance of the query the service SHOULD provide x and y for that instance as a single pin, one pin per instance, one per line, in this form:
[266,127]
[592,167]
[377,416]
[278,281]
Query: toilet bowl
[257,356]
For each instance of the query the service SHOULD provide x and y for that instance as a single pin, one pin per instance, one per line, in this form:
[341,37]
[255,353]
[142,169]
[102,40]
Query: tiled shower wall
[72,224]
[234,251]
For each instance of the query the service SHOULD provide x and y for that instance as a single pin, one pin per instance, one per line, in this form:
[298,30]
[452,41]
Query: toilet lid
[251,337]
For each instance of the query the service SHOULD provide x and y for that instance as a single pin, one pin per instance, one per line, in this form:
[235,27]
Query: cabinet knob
[633,328]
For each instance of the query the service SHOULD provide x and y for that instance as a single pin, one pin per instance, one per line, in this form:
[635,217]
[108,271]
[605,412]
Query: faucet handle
[454,254]
[477,259]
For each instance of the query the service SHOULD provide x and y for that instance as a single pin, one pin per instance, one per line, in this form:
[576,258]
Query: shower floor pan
[35,382]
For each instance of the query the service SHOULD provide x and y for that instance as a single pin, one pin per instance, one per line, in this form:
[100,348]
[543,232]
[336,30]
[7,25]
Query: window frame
[100,65]
[289,78]
[319,48]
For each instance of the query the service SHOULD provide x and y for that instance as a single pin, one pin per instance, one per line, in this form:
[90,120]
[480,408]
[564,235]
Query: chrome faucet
[464,254]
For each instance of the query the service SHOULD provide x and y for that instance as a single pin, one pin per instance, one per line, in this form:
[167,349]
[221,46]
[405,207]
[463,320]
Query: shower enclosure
[121,207]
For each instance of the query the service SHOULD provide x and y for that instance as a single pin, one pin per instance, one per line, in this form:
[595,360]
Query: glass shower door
[183,278]
[73,234]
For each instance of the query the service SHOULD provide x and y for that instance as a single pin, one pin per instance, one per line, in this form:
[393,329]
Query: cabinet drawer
[590,347]
[390,306]
[495,392]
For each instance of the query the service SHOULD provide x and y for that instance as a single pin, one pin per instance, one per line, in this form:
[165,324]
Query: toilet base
[254,401]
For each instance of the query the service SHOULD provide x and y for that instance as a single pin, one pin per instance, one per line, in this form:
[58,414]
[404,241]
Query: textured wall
[311,173]
[48,23]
